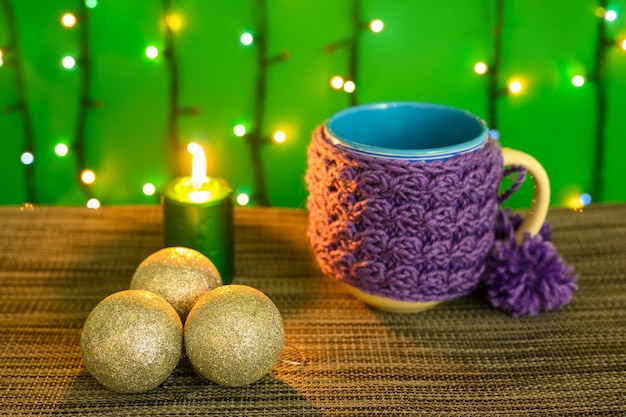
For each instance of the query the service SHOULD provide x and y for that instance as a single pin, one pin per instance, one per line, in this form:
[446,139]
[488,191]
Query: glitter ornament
[180,275]
[132,341]
[234,335]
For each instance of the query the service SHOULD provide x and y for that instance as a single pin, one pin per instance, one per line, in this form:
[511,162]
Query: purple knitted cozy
[411,231]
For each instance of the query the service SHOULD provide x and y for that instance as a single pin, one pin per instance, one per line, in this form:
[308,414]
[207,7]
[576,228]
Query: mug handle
[538,210]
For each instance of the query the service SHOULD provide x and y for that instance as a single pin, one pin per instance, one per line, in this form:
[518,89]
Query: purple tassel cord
[525,279]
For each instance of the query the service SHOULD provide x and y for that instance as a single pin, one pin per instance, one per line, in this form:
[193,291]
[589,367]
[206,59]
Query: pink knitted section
[411,231]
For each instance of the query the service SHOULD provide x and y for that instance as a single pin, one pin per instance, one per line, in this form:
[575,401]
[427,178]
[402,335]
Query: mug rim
[425,154]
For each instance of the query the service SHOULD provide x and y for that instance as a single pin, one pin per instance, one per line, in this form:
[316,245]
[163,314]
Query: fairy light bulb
[88,177]
[91,3]
[336,82]
[27,158]
[68,20]
[61,149]
[585,199]
[279,136]
[376,25]
[239,130]
[515,87]
[243,199]
[623,45]
[1,54]
[349,86]
[93,204]
[68,62]
[610,15]
[246,39]
[481,68]
[149,188]
[174,22]
[152,52]
[578,81]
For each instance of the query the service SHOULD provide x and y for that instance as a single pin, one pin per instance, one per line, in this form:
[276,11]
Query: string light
[585,199]
[349,86]
[623,45]
[1,55]
[515,87]
[91,3]
[336,82]
[240,130]
[152,52]
[174,22]
[27,158]
[93,203]
[68,20]
[68,62]
[578,81]
[87,176]
[376,25]
[149,189]
[610,15]
[247,39]
[61,149]
[279,136]
[243,199]
[481,68]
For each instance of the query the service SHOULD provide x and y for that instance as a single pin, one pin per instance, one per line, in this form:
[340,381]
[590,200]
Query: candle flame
[198,165]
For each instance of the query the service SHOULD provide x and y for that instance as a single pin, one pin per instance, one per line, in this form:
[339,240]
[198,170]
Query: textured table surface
[460,358]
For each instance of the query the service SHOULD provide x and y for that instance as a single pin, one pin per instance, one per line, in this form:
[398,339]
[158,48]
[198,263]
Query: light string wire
[84,100]
[602,46]
[494,71]
[22,106]
[177,149]
[255,137]
[352,44]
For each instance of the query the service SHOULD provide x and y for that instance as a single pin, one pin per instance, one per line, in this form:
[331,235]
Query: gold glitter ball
[180,275]
[132,341]
[234,335]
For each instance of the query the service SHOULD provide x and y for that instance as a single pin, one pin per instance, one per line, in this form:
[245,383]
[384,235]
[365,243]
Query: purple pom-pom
[526,279]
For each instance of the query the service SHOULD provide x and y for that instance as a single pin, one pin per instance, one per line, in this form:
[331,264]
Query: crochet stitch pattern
[406,230]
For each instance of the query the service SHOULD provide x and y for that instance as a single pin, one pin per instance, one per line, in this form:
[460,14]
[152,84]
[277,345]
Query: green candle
[198,214]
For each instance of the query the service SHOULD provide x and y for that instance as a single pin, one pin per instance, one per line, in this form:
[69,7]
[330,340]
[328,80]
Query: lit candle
[198,214]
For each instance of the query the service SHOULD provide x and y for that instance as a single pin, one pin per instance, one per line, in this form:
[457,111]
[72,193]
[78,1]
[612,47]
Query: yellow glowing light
[149,189]
[573,202]
[349,86]
[174,22]
[198,165]
[93,204]
[68,62]
[247,39]
[88,176]
[480,68]
[376,25]
[152,52]
[68,20]
[240,130]
[515,87]
[578,81]
[279,136]
[61,149]
[243,199]
[336,82]
[623,45]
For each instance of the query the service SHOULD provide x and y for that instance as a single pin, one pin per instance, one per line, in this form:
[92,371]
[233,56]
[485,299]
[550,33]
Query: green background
[426,52]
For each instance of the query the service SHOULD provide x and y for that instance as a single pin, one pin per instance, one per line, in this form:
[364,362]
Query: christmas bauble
[132,341]
[180,275]
[234,335]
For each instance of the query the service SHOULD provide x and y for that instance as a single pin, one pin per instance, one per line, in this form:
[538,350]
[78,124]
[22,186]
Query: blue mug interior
[407,129]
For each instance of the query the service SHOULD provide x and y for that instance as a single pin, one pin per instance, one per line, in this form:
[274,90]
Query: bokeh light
[240,130]
[68,20]
[152,52]
[376,25]
[61,149]
[243,199]
[349,86]
[279,136]
[149,189]
[480,68]
[578,81]
[336,82]
[93,203]
[68,62]
[247,39]
[88,176]
[27,158]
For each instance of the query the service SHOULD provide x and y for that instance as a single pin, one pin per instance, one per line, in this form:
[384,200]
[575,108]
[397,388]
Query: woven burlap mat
[460,358]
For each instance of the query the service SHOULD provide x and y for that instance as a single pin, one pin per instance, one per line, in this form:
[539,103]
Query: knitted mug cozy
[407,230]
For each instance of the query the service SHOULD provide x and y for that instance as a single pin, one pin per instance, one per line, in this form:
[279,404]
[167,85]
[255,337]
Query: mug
[403,199]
